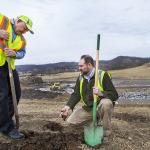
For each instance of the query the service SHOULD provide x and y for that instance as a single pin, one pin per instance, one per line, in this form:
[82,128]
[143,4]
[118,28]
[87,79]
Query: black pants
[6,102]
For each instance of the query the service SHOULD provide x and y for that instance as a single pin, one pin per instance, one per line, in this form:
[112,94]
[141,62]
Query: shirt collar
[12,22]
[90,76]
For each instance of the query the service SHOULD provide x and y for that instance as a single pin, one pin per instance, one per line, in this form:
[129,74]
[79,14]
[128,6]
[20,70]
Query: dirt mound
[53,126]
[38,94]
[31,80]
[54,139]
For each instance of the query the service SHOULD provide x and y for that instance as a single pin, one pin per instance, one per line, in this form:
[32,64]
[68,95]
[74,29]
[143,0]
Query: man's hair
[88,59]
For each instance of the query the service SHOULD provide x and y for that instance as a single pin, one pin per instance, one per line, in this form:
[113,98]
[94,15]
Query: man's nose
[80,69]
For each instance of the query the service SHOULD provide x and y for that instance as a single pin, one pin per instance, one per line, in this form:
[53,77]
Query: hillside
[121,62]
[130,73]
[136,72]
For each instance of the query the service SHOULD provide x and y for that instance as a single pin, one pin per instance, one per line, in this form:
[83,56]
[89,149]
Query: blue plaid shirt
[90,76]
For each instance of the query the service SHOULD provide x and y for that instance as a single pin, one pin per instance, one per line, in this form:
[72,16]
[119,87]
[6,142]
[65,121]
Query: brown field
[137,72]
[44,130]
[142,72]
[67,76]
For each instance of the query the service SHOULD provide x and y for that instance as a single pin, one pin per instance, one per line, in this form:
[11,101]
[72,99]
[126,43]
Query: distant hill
[49,68]
[136,72]
[123,62]
[120,62]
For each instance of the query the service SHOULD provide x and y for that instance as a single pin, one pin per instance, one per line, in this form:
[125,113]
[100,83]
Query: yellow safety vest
[100,84]
[18,44]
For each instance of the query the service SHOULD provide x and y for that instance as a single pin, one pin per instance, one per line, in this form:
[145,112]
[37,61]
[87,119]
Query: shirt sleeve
[21,53]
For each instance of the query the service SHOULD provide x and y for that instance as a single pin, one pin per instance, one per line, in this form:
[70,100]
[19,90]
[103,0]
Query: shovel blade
[93,134]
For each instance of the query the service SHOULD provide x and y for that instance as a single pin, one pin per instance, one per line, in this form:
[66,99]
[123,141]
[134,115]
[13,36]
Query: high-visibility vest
[18,44]
[99,84]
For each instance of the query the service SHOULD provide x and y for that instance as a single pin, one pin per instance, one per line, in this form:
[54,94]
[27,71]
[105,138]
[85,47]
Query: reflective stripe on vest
[18,44]
[4,23]
[3,26]
[2,45]
[100,81]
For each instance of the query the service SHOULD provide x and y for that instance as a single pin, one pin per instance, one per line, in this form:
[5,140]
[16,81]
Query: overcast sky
[66,29]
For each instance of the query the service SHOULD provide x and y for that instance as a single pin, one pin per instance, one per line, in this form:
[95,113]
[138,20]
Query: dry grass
[137,72]
[67,76]
[130,127]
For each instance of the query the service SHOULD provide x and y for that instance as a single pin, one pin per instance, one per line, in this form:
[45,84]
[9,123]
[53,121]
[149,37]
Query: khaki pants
[80,117]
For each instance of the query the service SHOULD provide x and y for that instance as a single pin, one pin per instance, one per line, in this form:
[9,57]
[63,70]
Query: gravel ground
[130,91]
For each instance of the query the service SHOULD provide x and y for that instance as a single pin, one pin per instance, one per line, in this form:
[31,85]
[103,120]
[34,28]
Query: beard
[18,32]
[84,72]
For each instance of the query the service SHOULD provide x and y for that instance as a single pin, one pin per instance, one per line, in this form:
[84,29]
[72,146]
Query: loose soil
[44,130]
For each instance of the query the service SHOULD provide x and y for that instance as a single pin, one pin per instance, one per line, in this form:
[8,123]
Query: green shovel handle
[98,41]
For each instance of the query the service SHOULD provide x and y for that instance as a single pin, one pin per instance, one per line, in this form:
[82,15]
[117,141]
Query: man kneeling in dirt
[84,89]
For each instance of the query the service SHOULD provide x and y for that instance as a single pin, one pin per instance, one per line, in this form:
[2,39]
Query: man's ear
[19,20]
[89,64]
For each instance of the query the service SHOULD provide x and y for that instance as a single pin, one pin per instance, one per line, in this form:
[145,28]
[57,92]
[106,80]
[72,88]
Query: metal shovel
[13,89]
[93,134]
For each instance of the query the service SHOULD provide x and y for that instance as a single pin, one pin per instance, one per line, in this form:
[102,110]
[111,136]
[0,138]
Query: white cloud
[64,30]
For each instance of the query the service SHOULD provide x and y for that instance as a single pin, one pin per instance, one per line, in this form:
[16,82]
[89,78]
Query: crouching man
[84,90]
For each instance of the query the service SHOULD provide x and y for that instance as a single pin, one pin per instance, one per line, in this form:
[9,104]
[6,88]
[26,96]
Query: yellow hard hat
[27,21]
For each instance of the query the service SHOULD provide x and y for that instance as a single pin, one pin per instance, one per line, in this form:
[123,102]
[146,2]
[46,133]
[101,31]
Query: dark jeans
[6,102]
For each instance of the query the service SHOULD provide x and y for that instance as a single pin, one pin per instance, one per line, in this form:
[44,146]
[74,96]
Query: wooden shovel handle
[96,79]
[97,64]
[13,89]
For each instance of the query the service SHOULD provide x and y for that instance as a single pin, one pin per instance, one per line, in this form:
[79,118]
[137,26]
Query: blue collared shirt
[90,76]
[21,53]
